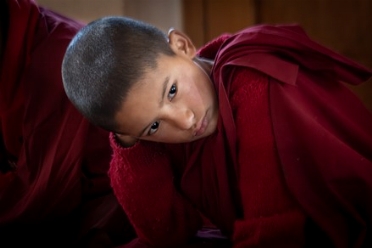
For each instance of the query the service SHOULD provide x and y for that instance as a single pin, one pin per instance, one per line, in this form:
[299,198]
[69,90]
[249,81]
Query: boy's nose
[183,118]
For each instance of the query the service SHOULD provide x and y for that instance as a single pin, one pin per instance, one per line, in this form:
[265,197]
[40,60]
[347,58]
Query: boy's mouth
[202,127]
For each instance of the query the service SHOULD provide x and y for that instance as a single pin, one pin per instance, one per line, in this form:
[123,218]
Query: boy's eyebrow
[165,86]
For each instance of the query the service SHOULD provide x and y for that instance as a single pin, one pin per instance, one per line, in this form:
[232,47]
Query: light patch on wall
[164,14]
[85,10]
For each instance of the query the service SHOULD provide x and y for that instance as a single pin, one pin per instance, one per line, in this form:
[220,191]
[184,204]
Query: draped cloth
[17,56]
[61,161]
[37,153]
[322,130]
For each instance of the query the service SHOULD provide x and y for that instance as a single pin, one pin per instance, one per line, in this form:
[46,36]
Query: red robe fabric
[58,191]
[292,147]
[322,131]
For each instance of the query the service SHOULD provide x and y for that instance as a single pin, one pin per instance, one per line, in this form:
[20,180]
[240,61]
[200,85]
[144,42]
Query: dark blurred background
[342,25]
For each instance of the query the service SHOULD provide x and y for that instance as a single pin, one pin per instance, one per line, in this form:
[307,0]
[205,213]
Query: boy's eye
[172,92]
[154,127]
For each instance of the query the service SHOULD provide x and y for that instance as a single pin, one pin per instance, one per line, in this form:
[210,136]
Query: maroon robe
[322,130]
[56,187]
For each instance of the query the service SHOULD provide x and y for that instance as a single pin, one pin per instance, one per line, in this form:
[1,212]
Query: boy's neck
[205,64]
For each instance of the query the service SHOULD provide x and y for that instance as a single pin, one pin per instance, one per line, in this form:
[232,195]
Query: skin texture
[173,103]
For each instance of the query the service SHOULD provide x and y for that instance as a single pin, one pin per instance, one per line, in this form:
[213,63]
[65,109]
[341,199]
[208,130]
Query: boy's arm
[142,180]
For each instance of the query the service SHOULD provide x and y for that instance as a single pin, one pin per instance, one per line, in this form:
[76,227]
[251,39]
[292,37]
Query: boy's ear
[181,44]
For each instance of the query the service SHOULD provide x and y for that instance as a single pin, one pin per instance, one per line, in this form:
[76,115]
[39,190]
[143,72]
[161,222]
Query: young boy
[255,133]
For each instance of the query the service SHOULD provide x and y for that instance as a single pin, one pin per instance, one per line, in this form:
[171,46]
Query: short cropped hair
[104,60]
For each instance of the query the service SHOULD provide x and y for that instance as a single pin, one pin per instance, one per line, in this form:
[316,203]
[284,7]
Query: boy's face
[174,103]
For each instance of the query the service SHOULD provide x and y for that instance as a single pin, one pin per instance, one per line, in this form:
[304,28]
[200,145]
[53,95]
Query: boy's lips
[202,127]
